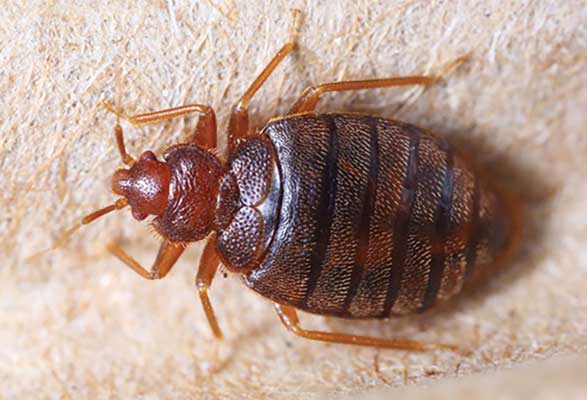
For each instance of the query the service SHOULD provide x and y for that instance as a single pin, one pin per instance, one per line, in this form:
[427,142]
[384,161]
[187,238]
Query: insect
[338,214]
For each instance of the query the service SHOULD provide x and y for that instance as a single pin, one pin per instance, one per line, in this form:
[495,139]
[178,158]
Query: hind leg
[289,318]
[310,97]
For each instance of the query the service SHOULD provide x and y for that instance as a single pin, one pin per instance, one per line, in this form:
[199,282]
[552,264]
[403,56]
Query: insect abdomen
[376,218]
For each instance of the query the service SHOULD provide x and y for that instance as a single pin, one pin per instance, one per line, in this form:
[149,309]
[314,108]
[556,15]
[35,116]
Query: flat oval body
[373,217]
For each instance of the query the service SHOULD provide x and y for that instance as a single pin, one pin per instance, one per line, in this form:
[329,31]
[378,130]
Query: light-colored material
[76,323]
[555,378]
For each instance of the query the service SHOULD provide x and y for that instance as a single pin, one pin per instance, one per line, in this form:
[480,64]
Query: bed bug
[336,214]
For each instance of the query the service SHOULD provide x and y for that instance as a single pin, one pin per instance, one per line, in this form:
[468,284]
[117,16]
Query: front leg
[166,259]
[204,135]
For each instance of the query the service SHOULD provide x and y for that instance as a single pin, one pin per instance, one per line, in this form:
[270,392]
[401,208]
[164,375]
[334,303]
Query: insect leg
[289,318]
[239,118]
[310,97]
[166,258]
[208,266]
[205,133]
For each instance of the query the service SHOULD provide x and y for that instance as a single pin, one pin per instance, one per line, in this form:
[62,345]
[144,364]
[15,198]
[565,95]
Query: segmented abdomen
[376,218]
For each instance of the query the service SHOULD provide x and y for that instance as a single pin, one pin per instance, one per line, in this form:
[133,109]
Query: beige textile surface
[555,378]
[75,323]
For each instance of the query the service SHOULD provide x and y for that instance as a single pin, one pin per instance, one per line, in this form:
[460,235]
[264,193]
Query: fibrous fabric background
[75,323]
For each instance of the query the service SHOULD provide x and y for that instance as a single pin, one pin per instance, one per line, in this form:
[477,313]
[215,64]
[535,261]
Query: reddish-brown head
[180,191]
[145,185]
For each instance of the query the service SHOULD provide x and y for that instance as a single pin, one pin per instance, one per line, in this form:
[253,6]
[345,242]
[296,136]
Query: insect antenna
[120,203]
[64,237]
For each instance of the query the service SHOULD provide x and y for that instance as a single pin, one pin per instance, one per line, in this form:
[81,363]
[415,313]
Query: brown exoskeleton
[341,214]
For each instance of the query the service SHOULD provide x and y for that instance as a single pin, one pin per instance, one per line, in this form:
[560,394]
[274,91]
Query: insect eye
[139,216]
[148,156]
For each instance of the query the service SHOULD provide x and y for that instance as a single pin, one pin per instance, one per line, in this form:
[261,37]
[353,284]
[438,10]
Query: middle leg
[239,118]
[209,263]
